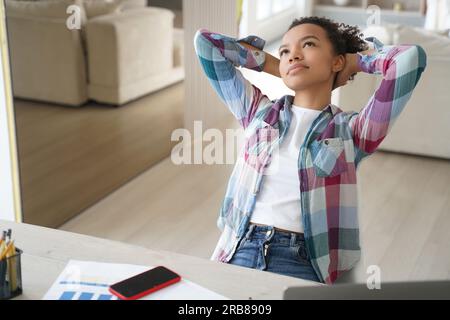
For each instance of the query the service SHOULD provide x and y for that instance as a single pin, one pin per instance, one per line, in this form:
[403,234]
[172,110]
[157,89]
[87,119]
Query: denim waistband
[268,233]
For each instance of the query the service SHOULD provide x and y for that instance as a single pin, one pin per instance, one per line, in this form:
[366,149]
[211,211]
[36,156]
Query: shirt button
[268,232]
[326,142]
[256,53]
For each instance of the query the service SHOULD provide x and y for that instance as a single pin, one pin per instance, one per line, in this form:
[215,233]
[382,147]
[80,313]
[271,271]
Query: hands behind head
[351,68]
[348,72]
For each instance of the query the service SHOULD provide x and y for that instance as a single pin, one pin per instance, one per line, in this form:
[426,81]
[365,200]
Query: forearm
[219,56]
[208,43]
[393,62]
[271,64]
[401,67]
[353,61]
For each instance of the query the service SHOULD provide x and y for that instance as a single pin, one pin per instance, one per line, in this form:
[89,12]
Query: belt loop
[293,239]
[250,231]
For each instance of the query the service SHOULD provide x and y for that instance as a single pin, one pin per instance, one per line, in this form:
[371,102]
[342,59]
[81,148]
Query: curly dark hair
[344,38]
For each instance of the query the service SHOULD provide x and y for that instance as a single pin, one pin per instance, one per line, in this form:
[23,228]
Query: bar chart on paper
[84,292]
[85,280]
[73,285]
[73,295]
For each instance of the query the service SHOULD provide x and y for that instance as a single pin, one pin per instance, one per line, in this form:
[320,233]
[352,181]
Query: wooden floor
[404,212]
[71,157]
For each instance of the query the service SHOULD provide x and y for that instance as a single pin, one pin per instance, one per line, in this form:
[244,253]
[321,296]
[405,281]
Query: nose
[295,55]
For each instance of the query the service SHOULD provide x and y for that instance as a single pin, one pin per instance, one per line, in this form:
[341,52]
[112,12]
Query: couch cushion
[42,8]
[132,4]
[435,44]
[101,7]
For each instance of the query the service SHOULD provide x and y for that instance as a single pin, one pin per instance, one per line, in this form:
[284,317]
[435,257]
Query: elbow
[417,57]
[420,61]
[412,61]
[421,57]
[201,31]
[200,35]
[202,40]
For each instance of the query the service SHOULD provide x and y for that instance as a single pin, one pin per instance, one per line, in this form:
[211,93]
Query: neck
[313,97]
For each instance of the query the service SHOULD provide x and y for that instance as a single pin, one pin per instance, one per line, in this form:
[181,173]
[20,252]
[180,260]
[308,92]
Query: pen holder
[11,276]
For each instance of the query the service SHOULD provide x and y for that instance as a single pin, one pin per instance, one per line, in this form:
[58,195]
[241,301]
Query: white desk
[46,252]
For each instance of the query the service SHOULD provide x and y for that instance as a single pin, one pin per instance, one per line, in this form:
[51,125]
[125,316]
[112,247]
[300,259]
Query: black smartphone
[144,283]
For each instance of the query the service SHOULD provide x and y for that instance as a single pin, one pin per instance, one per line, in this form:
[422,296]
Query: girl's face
[307,57]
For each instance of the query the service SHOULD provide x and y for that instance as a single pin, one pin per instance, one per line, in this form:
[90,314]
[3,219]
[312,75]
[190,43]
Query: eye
[306,43]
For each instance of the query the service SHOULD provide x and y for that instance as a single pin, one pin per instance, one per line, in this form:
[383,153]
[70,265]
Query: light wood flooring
[71,157]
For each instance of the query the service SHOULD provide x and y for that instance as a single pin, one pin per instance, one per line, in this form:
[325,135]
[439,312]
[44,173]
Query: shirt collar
[284,104]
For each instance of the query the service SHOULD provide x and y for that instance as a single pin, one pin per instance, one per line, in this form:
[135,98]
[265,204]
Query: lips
[297,66]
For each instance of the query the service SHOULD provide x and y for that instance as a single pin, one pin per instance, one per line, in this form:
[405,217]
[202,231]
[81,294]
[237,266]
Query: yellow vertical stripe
[10,114]
[239,9]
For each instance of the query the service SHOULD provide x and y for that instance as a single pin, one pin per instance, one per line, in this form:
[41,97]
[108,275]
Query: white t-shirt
[278,202]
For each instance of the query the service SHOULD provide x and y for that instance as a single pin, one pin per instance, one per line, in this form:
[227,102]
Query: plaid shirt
[335,144]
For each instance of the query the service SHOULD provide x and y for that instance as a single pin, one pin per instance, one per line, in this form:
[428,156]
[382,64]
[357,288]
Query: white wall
[201,101]
[271,28]
[438,15]
[9,184]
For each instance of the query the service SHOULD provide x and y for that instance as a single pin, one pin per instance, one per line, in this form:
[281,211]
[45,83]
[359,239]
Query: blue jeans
[265,248]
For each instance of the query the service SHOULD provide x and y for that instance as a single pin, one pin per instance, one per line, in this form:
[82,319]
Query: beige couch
[122,50]
[423,128]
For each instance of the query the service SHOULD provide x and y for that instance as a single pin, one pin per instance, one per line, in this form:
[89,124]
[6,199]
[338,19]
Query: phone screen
[144,283]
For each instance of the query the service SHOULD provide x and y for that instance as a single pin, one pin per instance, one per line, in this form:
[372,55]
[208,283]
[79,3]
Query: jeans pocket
[301,253]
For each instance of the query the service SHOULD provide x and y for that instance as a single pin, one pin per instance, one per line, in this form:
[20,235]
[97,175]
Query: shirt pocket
[328,157]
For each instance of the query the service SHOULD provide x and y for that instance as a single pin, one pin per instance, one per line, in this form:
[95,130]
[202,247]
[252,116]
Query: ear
[338,63]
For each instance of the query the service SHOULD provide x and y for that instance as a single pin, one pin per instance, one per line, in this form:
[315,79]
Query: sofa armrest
[128,46]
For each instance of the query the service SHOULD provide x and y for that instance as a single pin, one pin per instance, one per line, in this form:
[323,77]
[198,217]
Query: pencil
[6,251]
[2,249]
[12,267]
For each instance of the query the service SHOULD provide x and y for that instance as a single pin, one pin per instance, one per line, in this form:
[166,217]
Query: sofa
[120,51]
[423,128]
